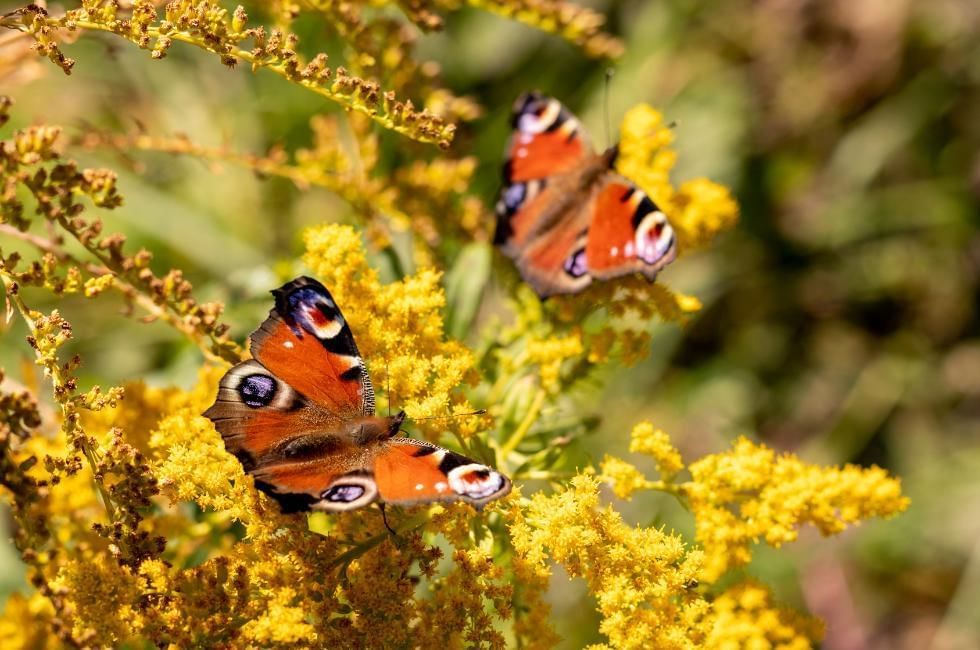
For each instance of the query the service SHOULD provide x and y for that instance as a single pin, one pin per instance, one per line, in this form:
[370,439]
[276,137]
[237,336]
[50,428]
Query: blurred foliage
[839,318]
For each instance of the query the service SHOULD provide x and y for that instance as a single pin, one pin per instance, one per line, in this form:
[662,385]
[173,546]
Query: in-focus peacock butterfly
[564,215]
[300,418]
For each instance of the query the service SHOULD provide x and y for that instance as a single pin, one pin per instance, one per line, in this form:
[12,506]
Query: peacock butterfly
[564,215]
[300,417]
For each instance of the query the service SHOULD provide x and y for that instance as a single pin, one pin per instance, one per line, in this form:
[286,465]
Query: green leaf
[465,283]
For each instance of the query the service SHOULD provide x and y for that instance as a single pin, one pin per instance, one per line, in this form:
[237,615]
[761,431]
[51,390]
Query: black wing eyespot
[257,390]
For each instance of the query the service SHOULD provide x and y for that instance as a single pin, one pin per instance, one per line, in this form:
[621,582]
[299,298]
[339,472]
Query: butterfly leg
[384,518]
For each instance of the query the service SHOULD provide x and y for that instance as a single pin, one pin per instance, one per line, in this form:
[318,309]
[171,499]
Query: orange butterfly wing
[628,232]
[306,342]
[409,471]
[399,471]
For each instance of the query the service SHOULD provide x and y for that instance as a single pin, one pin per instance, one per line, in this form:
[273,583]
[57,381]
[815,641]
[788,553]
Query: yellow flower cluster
[744,617]
[644,439]
[549,354]
[646,581]
[752,493]
[640,577]
[398,328]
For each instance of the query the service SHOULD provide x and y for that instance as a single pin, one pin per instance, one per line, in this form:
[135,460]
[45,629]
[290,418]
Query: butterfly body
[564,215]
[300,418]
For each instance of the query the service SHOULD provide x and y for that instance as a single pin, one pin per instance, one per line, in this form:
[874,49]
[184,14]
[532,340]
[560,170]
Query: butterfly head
[369,429]
[395,423]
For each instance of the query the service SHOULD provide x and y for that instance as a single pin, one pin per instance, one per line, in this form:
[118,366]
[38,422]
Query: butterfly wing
[399,471]
[628,232]
[547,142]
[307,343]
[409,471]
[553,259]
[305,389]
[332,482]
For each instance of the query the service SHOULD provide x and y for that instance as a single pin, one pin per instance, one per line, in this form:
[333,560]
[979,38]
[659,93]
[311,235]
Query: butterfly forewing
[307,343]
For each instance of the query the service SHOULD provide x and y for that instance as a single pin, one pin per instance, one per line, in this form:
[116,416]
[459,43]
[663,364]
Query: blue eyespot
[577,265]
[514,196]
[257,390]
[343,493]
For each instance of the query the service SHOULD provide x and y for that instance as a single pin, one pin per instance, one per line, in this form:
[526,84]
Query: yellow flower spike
[638,575]
[99,591]
[282,623]
[700,210]
[95,286]
[624,477]
[644,439]
[549,354]
[398,327]
[745,617]
[751,493]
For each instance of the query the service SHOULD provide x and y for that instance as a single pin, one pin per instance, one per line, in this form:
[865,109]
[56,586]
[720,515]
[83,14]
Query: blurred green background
[840,317]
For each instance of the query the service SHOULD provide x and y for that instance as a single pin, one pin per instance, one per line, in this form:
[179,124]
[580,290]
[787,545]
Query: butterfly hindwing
[628,232]
[399,471]
[553,261]
[333,484]
[409,471]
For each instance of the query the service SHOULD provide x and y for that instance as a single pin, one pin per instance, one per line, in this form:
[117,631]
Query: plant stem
[66,401]
[525,425]
[360,549]
[125,288]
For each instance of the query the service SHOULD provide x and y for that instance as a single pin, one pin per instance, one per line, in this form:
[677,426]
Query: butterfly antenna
[387,392]
[454,415]
[605,104]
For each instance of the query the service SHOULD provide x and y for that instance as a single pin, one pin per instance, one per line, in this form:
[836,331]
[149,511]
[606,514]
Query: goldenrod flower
[745,617]
[644,439]
[751,493]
